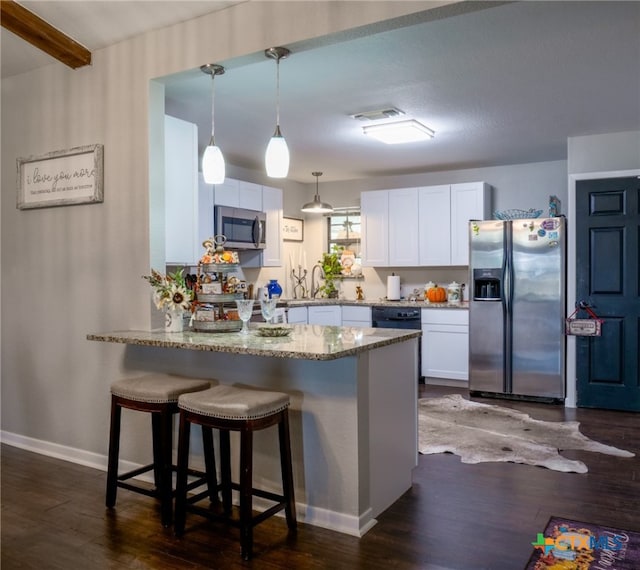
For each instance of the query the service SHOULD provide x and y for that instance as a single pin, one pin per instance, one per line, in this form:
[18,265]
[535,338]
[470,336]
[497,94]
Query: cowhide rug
[481,432]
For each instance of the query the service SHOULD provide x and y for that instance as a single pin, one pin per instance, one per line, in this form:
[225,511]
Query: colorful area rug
[573,545]
[482,432]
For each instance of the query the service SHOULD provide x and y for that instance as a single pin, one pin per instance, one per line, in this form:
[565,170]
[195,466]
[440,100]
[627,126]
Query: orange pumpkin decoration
[437,294]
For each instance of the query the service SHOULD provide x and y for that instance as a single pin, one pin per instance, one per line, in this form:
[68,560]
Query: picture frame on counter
[292,229]
[61,178]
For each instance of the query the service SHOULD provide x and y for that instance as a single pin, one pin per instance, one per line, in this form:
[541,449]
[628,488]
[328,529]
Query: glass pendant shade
[276,157]
[213,169]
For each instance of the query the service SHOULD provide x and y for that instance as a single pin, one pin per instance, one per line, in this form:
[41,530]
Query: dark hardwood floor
[463,517]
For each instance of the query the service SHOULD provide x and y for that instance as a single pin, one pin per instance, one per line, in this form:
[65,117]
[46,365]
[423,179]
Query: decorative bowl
[268,331]
[515,214]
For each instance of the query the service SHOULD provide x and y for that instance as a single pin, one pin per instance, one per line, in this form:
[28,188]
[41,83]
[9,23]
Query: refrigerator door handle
[507,302]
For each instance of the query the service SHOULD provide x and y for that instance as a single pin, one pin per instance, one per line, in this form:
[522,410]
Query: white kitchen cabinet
[181,192]
[238,194]
[325,315]
[445,212]
[297,315]
[469,201]
[356,316]
[435,225]
[374,211]
[445,343]
[271,255]
[404,225]
[205,213]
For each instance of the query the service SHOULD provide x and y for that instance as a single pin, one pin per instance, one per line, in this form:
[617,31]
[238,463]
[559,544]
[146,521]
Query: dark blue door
[608,277]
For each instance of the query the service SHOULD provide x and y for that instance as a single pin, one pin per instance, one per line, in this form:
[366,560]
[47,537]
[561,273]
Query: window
[344,231]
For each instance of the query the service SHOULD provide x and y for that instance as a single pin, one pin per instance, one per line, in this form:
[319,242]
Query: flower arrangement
[170,292]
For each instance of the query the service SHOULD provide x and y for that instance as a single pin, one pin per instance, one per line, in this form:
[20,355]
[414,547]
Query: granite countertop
[378,303]
[308,342]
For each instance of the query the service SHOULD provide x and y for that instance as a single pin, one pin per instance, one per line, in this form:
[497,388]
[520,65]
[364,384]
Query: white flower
[179,298]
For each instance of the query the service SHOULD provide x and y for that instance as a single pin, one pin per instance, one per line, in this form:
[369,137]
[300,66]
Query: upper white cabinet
[272,206]
[470,201]
[404,223]
[374,212]
[238,194]
[424,226]
[182,222]
[435,225]
[271,255]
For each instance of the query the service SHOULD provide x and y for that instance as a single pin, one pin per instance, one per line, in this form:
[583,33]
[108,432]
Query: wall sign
[292,229]
[61,178]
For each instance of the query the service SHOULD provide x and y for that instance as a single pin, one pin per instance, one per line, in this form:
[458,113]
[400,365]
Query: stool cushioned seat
[156,388]
[232,403]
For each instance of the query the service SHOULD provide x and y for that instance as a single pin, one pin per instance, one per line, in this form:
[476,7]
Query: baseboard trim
[332,520]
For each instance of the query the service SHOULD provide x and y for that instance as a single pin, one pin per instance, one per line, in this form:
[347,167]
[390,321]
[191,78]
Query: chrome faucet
[316,288]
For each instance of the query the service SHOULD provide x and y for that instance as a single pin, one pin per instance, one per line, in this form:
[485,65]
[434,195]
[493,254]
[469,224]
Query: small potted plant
[332,269]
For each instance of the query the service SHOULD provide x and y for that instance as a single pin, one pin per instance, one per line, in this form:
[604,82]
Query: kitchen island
[353,407]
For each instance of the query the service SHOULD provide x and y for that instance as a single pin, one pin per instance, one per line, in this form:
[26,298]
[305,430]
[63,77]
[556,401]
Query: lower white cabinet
[445,343]
[325,315]
[297,315]
[356,316]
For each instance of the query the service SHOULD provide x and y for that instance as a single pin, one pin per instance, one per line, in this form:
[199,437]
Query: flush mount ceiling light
[399,132]
[317,206]
[213,169]
[276,157]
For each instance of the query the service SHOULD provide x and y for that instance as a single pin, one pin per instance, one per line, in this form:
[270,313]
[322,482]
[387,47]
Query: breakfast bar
[353,407]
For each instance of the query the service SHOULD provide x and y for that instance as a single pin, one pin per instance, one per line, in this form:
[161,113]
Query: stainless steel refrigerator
[517,308]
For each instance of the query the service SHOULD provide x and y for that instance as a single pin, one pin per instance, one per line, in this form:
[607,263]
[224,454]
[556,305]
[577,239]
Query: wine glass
[268,308]
[245,308]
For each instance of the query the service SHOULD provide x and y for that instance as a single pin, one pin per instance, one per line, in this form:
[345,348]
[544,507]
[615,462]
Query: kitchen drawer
[445,317]
[325,315]
[361,314]
[297,315]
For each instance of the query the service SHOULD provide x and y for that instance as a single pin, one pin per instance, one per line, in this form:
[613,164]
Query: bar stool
[229,408]
[158,395]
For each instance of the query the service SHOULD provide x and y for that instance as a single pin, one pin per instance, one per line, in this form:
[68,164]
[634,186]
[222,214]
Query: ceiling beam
[42,35]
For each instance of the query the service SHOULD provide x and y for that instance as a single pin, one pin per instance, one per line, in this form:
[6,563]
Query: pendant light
[317,206]
[213,169]
[276,157]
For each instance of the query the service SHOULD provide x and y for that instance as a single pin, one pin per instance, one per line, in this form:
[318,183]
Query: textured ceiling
[504,84]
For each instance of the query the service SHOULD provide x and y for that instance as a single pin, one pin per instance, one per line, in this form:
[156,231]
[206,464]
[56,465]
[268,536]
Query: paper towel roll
[393,287]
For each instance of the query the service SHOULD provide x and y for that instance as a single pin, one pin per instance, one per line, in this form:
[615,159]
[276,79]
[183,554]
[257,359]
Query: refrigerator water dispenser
[487,284]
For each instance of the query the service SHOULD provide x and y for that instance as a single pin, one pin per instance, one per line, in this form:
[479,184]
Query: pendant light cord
[278,92]
[213,97]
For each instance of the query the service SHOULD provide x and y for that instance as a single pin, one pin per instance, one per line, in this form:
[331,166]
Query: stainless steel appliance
[398,318]
[244,229]
[517,308]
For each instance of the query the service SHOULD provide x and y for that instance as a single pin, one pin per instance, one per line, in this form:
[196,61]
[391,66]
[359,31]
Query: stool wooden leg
[183,466]
[287,470]
[156,434]
[225,471]
[210,463]
[114,450]
[165,487]
[246,496]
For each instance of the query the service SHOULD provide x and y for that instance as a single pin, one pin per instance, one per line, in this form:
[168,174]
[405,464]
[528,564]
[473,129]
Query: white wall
[72,270]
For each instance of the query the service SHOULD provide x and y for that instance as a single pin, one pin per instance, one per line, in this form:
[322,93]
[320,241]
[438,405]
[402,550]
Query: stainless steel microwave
[244,229]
